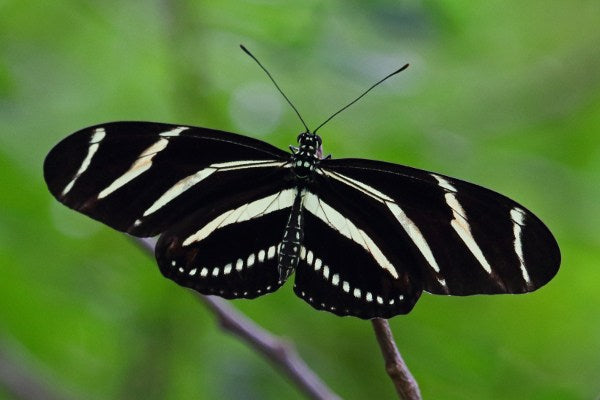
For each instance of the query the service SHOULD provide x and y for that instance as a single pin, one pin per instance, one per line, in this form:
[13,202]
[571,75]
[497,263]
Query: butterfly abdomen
[293,238]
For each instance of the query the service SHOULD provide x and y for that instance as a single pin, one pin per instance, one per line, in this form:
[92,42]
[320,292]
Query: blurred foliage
[502,93]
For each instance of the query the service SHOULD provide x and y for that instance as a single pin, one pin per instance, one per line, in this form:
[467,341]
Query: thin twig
[279,352]
[20,381]
[405,383]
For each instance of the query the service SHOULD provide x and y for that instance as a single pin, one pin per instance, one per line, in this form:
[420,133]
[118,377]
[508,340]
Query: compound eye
[300,137]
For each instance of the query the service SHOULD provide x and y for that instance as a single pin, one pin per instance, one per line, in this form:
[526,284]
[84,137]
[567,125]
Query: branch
[19,381]
[279,352]
[405,383]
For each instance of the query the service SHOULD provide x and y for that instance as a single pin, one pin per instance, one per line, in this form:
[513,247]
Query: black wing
[345,265]
[231,249]
[142,177]
[440,234]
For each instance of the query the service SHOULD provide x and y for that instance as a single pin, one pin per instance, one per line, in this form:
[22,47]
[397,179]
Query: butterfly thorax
[307,155]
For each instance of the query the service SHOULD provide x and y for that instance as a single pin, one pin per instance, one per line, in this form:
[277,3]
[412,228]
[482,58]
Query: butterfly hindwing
[230,248]
[346,267]
[141,177]
[463,239]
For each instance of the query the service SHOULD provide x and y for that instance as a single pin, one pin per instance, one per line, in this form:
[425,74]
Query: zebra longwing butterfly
[237,216]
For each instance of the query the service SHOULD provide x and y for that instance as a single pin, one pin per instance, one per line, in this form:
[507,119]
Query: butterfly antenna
[364,93]
[276,85]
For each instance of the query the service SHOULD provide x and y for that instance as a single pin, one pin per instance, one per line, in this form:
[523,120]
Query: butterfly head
[310,142]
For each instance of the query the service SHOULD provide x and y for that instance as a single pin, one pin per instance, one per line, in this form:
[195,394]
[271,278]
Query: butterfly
[237,217]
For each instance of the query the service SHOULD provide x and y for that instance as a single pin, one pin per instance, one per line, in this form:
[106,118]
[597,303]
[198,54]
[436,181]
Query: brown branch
[20,381]
[279,352]
[405,383]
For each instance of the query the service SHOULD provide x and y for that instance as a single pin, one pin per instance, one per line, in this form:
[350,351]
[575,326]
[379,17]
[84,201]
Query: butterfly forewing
[464,239]
[142,177]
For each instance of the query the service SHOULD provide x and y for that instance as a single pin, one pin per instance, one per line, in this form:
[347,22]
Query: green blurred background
[502,93]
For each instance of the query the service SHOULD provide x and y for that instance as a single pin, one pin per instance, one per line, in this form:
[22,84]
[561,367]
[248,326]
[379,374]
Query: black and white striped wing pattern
[349,264]
[230,249]
[424,231]
[143,177]
[221,200]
